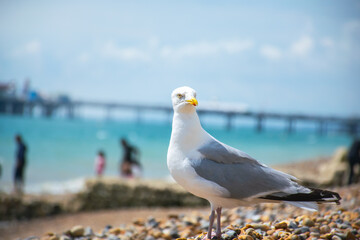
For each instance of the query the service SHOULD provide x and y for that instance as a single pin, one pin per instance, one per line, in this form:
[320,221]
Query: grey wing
[220,152]
[244,179]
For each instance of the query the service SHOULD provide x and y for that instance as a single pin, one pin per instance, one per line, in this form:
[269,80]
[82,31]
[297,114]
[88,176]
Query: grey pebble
[260,232]
[32,238]
[305,229]
[335,237]
[338,221]
[100,235]
[344,226]
[204,224]
[303,236]
[152,223]
[256,218]
[112,237]
[314,229]
[88,232]
[315,234]
[149,238]
[302,230]
[64,237]
[293,225]
[231,233]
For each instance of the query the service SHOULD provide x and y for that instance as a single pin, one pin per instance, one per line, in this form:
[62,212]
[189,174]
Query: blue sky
[298,56]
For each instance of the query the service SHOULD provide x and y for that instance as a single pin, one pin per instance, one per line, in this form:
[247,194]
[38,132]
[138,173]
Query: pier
[18,106]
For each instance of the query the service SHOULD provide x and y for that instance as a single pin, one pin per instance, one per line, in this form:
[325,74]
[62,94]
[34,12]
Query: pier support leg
[259,124]
[108,113]
[229,124]
[138,117]
[322,128]
[48,111]
[70,111]
[291,127]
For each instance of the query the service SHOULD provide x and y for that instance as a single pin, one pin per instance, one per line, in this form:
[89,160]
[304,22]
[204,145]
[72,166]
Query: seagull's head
[184,100]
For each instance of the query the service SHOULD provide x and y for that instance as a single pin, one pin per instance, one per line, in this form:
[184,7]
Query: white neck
[186,131]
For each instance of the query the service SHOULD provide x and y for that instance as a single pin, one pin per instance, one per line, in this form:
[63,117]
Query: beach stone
[308,222]
[139,222]
[186,233]
[152,223]
[77,231]
[204,224]
[303,236]
[305,229]
[335,237]
[88,232]
[281,225]
[315,234]
[263,227]
[251,232]
[156,233]
[301,230]
[293,237]
[230,234]
[324,229]
[332,225]
[171,233]
[245,237]
[64,237]
[320,220]
[115,231]
[350,236]
[314,229]
[339,221]
[357,223]
[32,238]
[112,237]
[344,226]
[292,225]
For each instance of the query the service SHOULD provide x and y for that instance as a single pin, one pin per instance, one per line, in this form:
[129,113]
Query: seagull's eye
[179,95]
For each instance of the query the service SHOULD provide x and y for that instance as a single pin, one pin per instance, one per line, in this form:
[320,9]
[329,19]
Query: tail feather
[315,195]
[310,206]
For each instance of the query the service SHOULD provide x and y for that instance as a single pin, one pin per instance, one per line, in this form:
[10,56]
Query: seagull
[226,176]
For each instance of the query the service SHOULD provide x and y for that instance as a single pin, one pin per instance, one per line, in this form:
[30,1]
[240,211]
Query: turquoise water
[62,150]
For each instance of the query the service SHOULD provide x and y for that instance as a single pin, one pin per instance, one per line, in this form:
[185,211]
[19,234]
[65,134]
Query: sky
[276,56]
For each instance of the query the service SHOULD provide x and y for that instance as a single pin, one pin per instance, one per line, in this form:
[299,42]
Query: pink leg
[218,226]
[211,222]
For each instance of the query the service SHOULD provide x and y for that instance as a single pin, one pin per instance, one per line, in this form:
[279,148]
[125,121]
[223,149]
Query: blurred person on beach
[353,158]
[20,164]
[100,163]
[130,166]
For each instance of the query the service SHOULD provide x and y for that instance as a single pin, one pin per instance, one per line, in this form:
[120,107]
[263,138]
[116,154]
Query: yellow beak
[193,101]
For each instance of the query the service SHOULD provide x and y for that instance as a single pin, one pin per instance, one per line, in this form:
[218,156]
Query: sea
[62,151]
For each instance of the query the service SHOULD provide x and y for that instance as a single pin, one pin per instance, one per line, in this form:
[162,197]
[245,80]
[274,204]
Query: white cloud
[127,54]
[84,58]
[327,42]
[271,52]
[233,47]
[206,49]
[351,38]
[30,48]
[302,47]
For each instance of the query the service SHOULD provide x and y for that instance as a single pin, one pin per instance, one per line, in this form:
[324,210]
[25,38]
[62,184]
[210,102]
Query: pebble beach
[264,221]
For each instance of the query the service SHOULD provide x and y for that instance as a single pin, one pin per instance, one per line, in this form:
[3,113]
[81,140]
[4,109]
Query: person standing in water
[100,163]
[353,159]
[20,164]
[130,166]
